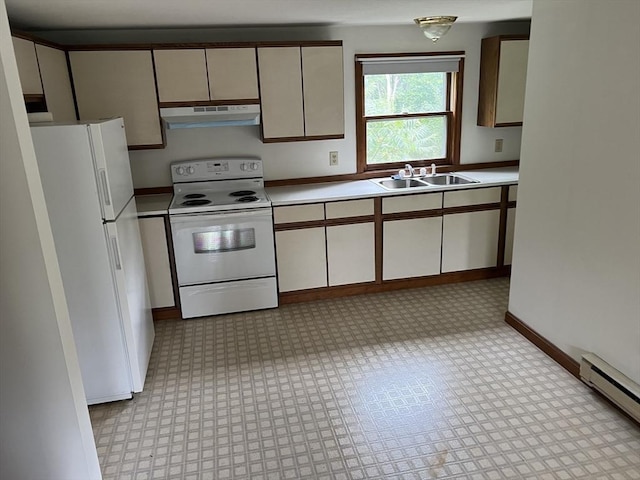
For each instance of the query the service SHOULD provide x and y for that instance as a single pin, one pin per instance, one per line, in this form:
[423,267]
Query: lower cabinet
[302,259]
[156,260]
[470,240]
[411,248]
[351,254]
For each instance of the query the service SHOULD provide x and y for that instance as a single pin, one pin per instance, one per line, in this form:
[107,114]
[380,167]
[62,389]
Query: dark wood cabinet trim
[203,45]
[389,217]
[334,222]
[172,263]
[502,229]
[166,313]
[38,40]
[379,238]
[278,227]
[389,285]
[302,139]
[156,146]
[209,103]
[33,98]
[471,208]
[152,190]
[382,173]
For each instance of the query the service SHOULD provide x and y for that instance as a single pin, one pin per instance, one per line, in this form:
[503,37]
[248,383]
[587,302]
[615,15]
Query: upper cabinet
[233,74]
[119,83]
[301,92]
[503,73]
[28,69]
[44,77]
[56,83]
[189,76]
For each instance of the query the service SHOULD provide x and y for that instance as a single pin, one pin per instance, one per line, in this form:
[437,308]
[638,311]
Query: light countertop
[153,205]
[333,191]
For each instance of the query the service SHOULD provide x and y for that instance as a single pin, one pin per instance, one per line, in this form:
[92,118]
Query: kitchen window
[408,109]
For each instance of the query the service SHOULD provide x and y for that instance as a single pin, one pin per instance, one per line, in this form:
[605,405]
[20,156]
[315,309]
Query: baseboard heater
[617,387]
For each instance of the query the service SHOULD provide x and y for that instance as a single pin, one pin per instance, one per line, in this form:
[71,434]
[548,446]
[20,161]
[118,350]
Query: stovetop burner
[194,195]
[191,203]
[247,199]
[242,193]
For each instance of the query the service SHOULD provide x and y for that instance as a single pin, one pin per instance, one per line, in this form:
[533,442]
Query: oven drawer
[221,247]
[228,297]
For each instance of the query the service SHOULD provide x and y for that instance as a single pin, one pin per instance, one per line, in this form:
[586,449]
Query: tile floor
[425,383]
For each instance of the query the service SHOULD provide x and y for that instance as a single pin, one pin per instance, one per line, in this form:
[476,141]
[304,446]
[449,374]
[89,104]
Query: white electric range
[222,231]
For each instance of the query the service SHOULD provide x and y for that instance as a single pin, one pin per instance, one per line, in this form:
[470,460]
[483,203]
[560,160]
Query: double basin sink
[428,181]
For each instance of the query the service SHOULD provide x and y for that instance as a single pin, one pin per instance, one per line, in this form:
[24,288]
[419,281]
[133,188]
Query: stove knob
[190,170]
[254,166]
[180,170]
[243,167]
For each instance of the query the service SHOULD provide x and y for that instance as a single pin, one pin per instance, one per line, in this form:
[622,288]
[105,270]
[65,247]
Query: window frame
[453,114]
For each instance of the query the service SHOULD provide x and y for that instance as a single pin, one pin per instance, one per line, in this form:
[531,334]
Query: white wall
[45,431]
[576,262]
[308,159]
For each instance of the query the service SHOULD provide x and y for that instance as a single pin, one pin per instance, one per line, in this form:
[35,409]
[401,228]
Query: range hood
[214,116]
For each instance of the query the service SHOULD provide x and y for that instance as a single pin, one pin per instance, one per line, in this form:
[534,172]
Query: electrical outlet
[333,158]
[498,146]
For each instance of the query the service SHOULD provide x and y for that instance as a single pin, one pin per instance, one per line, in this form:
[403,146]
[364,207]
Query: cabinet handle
[105,186]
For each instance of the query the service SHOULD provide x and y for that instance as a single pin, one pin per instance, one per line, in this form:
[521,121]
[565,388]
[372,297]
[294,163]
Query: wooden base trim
[572,366]
[166,313]
[389,285]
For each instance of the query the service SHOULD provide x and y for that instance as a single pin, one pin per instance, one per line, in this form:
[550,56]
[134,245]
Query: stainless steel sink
[398,184]
[447,179]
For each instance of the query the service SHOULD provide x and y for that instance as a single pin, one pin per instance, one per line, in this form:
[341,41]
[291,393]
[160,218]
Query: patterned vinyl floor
[426,383]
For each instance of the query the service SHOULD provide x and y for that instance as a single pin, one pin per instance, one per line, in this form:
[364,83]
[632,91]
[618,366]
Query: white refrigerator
[86,177]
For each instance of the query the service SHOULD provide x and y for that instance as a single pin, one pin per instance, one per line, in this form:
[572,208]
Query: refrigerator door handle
[105,186]
[116,253]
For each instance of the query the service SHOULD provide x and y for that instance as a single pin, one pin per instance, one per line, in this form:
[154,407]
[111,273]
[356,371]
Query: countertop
[153,205]
[332,191]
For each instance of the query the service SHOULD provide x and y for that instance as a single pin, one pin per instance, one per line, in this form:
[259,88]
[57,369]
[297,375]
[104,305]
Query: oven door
[215,247]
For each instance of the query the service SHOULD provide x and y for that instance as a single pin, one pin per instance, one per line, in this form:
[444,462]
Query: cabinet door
[302,259]
[181,75]
[118,84]
[233,73]
[512,76]
[323,79]
[56,83]
[28,70]
[156,260]
[470,240]
[351,253]
[281,92]
[411,248]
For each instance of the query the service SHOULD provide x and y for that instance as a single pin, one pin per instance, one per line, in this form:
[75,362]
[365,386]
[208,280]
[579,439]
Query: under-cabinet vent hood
[214,116]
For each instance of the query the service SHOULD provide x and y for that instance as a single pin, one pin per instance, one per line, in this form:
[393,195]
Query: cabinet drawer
[410,203]
[478,196]
[298,213]
[351,208]
[513,193]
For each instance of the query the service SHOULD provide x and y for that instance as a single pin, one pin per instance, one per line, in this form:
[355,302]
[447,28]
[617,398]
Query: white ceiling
[84,14]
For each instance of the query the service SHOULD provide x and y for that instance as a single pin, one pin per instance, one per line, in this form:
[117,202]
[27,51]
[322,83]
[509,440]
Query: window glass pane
[407,139]
[392,94]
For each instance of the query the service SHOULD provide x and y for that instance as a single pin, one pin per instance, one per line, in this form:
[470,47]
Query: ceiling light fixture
[435,27]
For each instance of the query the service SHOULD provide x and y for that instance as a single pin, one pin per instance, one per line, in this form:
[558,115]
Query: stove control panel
[216,169]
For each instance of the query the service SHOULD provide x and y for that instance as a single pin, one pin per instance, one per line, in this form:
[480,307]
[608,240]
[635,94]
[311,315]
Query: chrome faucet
[410,169]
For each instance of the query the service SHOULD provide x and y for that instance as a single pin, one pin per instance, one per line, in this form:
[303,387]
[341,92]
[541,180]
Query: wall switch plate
[498,146]
[333,158]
